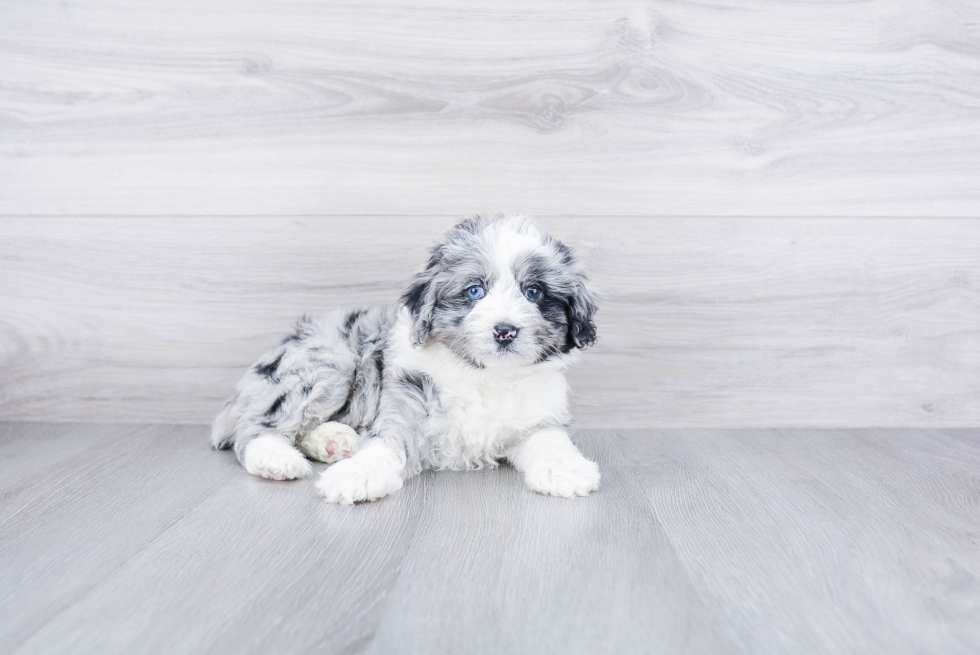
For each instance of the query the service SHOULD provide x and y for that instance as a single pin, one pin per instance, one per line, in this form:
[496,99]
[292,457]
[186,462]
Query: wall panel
[711,321]
[436,107]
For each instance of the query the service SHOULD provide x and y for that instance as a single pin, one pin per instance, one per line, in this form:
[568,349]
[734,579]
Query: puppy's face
[500,292]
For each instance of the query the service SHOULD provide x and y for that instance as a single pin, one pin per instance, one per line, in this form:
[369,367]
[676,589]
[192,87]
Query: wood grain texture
[747,322]
[699,541]
[852,525]
[257,567]
[536,574]
[32,458]
[90,515]
[571,107]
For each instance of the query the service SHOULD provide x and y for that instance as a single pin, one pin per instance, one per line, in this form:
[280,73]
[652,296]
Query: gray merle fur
[334,369]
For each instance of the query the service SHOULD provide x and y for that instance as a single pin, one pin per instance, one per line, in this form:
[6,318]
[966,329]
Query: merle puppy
[466,370]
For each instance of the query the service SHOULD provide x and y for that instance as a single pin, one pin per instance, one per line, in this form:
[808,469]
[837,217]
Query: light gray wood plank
[32,455]
[735,107]
[709,321]
[258,567]
[969,437]
[824,541]
[92,517]
[497,568]
[12,432]
[754,541]
[453,560]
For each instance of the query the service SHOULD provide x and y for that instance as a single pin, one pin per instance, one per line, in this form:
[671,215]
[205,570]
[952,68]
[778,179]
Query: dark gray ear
[420,298]
[581,309]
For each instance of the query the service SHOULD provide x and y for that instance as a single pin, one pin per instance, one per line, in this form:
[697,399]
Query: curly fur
[443,380]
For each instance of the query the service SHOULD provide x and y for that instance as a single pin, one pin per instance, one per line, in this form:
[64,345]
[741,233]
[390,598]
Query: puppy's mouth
[505,335]
[508,346]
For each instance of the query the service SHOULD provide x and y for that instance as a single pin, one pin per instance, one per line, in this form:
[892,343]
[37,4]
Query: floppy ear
[581,308]
[420,298]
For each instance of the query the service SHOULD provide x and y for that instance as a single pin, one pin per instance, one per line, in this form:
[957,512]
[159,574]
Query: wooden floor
[139,538]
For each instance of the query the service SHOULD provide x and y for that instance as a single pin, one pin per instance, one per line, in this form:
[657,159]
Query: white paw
[565,477]
[329,442]
[372,473]
[274,459]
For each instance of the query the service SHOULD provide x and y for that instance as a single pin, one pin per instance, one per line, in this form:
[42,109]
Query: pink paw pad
[333,447]
[329,442]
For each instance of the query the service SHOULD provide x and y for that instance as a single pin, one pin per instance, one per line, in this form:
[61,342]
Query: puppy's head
[498,291]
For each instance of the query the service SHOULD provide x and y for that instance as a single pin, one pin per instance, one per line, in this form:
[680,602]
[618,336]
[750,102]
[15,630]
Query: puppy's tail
[224,426]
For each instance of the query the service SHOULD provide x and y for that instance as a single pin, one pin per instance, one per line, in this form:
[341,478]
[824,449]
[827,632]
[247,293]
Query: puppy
[467,370]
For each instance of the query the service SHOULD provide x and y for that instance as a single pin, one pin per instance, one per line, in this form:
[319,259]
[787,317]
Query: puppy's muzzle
[504,334]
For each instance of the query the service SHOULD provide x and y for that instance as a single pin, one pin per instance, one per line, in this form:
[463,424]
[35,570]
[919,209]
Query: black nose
[504,333]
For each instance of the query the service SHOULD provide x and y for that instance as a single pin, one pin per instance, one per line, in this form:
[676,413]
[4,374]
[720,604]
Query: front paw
[564,477]
[359,478]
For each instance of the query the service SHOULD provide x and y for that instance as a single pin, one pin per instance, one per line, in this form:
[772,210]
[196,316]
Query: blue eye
[476,292]
[533,293]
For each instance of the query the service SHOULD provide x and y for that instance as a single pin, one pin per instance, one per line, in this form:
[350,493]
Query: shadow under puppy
[466,370]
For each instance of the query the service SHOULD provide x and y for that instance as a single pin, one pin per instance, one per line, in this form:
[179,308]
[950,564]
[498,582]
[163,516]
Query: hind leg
[292,389]
[276,417]
[329,442]
[272,458]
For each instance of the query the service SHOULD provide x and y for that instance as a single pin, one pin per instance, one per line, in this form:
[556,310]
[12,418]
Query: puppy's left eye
[533,293]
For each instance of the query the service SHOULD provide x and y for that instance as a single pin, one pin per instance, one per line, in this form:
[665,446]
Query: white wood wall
[780,202]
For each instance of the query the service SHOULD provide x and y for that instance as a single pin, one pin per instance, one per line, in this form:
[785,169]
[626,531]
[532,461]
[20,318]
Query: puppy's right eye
[476,292]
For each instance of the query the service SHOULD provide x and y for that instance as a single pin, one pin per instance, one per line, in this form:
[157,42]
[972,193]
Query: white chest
[477,417]
[479,413]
